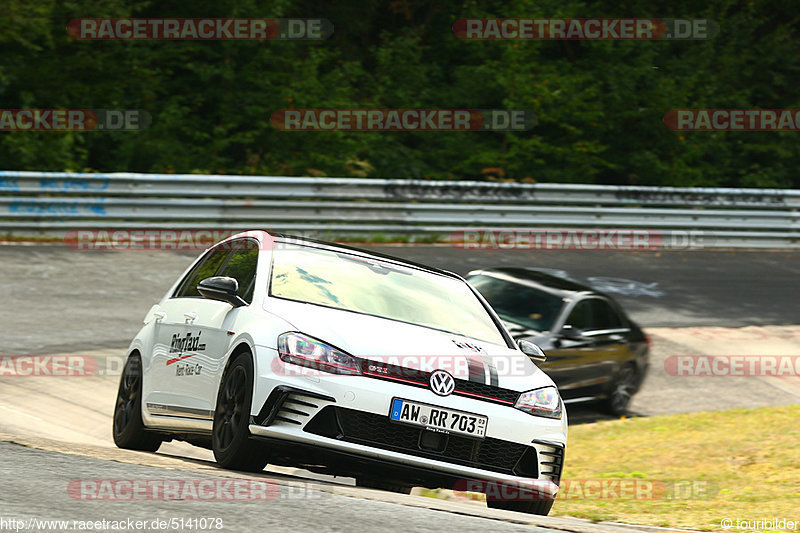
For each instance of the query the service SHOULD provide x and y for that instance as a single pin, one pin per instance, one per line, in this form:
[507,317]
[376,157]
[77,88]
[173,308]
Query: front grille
[377,431]
[420,378]
[485,392]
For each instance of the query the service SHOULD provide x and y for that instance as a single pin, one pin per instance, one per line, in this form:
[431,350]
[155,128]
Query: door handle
[190,317]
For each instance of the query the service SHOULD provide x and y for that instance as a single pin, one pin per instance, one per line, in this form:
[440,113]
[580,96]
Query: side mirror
[531,350]
[568,332]
[221,288]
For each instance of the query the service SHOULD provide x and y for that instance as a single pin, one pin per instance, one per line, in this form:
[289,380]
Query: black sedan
[594,351]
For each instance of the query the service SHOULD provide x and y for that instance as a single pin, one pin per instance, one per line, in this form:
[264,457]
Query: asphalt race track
[43,475]
[107,293]
[657,288]
[60,301]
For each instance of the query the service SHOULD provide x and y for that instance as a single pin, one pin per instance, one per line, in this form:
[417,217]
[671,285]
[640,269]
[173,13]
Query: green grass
[748,460]
[740,464]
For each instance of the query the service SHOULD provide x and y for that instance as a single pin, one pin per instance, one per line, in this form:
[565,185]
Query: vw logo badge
[442,383]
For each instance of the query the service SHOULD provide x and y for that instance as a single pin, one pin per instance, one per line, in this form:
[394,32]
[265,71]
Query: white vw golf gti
[275,349]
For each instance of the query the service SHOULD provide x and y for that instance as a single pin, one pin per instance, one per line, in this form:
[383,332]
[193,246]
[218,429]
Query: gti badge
[442,383]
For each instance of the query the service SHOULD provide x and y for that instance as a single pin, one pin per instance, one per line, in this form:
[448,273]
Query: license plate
[439,419]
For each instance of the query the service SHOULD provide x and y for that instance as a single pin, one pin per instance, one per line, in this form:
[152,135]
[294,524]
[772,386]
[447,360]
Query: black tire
[622,388]
[230,438]
[540,507]
[379,484]
[128,428]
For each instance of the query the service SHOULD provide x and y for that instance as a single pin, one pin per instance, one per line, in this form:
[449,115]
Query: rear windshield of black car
[517,303]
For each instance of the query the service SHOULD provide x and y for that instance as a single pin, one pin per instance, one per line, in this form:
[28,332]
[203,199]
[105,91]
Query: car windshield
[374,287]
[518,303]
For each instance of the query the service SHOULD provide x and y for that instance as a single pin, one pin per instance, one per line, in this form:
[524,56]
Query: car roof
[548,282]
[283,237]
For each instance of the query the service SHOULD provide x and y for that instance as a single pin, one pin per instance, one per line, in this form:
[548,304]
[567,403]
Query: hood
[412,346]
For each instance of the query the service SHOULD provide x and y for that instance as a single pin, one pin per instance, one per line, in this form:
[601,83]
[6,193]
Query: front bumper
[432,468]
[288,409]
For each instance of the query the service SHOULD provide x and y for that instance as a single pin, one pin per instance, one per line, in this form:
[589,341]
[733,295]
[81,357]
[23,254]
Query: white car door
[178,340]
[196,372]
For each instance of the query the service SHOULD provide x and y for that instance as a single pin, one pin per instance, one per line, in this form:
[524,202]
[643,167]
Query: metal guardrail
[57,201]
[219,186]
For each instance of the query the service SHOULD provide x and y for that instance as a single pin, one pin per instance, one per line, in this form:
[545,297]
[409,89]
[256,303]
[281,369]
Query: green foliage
[599,104]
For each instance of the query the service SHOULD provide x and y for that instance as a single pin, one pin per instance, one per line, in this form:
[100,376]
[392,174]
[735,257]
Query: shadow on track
[585,413]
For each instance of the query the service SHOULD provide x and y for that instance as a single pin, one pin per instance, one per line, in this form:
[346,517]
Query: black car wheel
[233,448]
[622,388]
[129,431]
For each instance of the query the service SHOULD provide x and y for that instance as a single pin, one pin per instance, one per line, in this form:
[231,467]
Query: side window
[242,267]
[605,316]
[206,268]
[581,316]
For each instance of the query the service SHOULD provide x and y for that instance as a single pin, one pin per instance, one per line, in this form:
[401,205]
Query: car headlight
[309,352]
[540,402]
